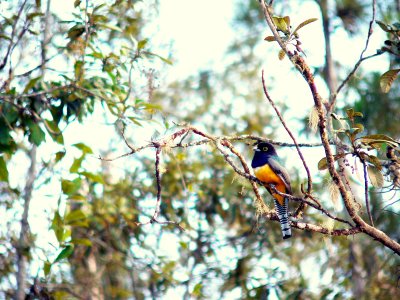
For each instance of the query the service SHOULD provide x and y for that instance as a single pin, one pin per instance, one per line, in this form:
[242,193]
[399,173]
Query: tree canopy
[117,182]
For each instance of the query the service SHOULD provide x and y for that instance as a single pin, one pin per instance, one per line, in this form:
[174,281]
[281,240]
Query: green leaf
[70,187]
[323,163]
[358,128]
[84,148]
[387,79]
[93,177]
[375,161]
[282,23]
[76,31]
[37,135]
[304,23]
[78,69]
[65,253]
[197,290]
[383,26]
[85,242]
[135,121]
[5,37]
[33,15]
[46,268]
[77,3]
[142,44]
[3,170]
[98,7]
[58,227]
[31,84]
[74,216]
[375,176]
[167,61]
[60,155]
[184,245]
[109,26]
[54,131]
[358,114]
[378,138]
[77,197]
[76,164]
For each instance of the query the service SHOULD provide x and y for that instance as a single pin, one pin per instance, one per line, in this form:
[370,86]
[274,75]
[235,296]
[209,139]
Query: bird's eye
[265,148]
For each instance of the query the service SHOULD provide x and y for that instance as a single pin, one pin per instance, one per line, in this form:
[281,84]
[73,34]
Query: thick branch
[305,71]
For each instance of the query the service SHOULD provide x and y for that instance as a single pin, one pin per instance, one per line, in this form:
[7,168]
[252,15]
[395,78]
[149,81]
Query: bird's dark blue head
[262,152]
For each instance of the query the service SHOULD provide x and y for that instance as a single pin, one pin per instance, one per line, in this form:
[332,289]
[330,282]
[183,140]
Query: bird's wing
[281,172]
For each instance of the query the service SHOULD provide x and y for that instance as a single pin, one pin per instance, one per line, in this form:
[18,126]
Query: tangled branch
[346,195]
[229,152]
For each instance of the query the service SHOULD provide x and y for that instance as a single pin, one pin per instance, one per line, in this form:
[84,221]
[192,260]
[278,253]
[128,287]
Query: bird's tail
[282,211]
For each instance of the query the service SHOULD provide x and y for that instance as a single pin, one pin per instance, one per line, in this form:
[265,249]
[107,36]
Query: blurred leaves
[106,54]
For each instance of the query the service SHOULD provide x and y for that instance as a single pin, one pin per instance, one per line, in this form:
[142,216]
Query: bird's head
[265,148]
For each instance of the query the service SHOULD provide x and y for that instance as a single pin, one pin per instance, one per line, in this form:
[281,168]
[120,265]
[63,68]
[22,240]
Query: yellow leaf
[322,164]
[375,176]
[281,23]
[304,23]
[281,54]
[387,79]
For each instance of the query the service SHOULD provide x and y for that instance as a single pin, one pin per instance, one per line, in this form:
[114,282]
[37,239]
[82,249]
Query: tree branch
[332,101]
[22,248]
[220,143]
[309,184]
[371,221]
[305,71]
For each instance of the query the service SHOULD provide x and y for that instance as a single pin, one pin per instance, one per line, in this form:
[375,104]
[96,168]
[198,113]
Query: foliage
[392,46]
[208,234]
[290,37]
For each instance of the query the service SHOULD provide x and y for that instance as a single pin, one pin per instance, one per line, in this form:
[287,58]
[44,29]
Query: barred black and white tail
[282,212]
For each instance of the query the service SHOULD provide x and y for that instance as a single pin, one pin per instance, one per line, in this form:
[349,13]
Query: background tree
[188,173]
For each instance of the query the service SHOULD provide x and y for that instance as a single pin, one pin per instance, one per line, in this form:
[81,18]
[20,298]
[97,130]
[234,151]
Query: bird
[267,169]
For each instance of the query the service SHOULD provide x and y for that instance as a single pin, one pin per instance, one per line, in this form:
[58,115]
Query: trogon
[267,169]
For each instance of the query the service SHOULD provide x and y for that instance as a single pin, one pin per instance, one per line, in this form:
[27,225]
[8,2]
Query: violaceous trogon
[267,169]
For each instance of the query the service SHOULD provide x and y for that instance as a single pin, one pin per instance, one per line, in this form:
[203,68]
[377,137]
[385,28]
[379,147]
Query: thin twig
[158,179]
[248,137]
[366,192]
[10,46]
[41,93]
[309,179]
[360,60]
[391,203]
[154,218]
[261,205]
[87,35]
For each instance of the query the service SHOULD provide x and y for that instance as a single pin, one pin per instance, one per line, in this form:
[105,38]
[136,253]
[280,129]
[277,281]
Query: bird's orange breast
[267,175]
